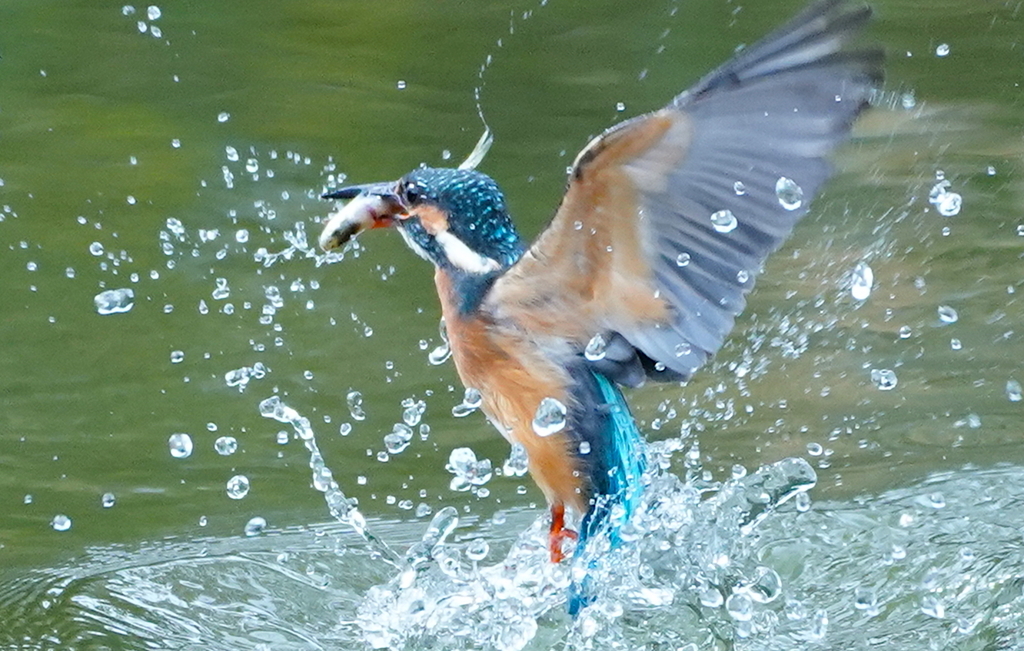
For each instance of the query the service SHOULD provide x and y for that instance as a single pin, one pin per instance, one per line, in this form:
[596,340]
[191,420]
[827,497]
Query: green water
[108,132]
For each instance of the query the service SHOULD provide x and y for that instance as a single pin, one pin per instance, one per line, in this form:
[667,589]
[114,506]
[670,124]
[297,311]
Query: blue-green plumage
[477,217]
[476,210]
[611,450]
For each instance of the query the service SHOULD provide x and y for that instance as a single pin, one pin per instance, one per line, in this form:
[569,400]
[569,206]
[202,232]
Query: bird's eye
[411,193]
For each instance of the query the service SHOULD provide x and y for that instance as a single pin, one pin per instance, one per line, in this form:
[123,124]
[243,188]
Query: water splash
[342,508]
[682,545]
[299,247]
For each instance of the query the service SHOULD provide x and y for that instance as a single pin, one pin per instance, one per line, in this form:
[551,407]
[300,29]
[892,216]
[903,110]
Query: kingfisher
[665,222]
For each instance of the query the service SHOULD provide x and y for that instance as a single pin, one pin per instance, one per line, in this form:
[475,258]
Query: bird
[666,220]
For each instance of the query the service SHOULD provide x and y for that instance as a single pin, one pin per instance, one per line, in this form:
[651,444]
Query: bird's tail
[625,463]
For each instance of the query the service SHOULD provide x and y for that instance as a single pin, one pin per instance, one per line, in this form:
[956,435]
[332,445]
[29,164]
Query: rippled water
[729,565]
[187,384]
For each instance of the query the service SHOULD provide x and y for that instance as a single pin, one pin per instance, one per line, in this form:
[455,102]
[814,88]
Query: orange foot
[559,533]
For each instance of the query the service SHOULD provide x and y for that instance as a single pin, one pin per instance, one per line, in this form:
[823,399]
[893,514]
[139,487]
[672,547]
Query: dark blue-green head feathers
[455,218]
[450,208]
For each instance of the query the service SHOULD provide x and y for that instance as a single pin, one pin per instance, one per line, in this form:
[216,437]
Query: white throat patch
[464,257]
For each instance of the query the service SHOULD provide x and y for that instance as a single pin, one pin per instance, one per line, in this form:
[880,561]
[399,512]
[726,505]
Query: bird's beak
[371,206]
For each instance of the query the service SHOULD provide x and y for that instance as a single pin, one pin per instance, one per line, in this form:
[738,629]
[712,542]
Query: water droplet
[723,221]
[711,597]
[739,188]
[683,348]
[682,259]
[549,418]
[905,332]
[153,12]
[955,344]
[1013,391]
[766,586]
[819,625]
[115,301]
[223,116]
[595,349]
[789,194]
[517,463]
[938,190]
[884,379]
[469,472]
[177,356]
[107,500]
[441,354]
[221,291]
[471,400]
[802,502]
[862,281]
[255,526]
[238,487]
[865,599]
[355,405]
[477,550]
[413,411]
[401,84]
[620,107]
[740,607]
[942,50]
[180,445]
[949,204]
[225,445]
[932,606]
[947,314]
[584,447]
[60,522]
[398,440]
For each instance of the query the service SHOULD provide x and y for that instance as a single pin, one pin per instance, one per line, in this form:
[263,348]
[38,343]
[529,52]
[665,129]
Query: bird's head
[455,218]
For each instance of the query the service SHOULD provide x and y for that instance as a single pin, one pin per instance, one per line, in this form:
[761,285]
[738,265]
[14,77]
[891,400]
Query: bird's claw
[559,533]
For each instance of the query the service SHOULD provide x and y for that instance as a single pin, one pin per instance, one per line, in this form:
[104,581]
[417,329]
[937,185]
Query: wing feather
[632,253]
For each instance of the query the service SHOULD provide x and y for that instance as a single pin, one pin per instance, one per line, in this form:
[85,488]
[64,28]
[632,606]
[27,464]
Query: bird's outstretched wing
[668,217]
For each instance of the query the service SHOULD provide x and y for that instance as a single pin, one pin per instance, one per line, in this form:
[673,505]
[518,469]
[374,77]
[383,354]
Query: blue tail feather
[622,463]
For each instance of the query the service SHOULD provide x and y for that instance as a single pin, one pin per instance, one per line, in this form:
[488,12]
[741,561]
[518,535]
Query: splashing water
[298,246]
[680,545]
[342,508]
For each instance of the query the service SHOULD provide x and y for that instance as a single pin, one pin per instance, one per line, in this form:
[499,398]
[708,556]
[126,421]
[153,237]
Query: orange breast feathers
[513,376]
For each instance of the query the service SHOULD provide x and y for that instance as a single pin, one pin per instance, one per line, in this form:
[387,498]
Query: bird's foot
[559,533]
